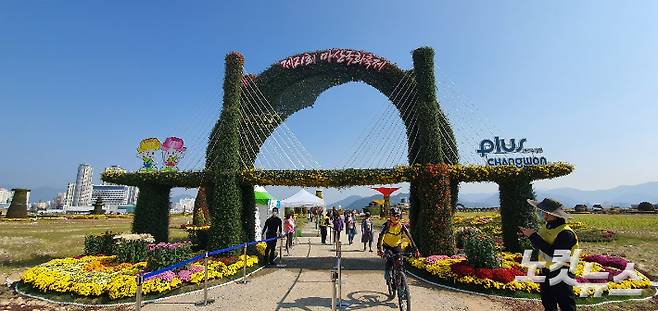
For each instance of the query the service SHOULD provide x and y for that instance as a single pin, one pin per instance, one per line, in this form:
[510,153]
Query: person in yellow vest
[554,235]
[391,239]
[324,223]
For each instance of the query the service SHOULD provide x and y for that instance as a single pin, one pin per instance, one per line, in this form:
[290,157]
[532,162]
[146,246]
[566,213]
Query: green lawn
[26,243]
[637,238]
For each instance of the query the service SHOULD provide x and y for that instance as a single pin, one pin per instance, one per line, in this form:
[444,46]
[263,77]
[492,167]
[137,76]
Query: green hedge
[344,177]
[99,244]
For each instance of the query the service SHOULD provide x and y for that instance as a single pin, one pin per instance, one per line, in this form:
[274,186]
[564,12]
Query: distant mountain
[357,202]
[623,196]
[349,201]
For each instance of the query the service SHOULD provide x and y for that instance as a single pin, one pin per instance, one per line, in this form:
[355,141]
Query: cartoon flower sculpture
[146,151]
[173,150]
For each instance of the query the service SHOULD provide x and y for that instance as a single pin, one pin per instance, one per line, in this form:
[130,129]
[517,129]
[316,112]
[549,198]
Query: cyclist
[390,239]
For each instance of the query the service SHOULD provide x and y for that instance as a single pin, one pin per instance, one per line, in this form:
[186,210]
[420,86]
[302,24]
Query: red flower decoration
[462,268]
[484,273]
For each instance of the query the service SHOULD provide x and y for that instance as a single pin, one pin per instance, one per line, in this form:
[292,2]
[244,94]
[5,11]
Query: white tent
[302,199]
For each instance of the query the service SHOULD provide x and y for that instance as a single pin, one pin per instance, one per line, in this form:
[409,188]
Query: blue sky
[85,81]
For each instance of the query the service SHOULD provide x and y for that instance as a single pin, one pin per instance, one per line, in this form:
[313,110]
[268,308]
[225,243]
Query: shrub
[645,206]
[131,247]
[480,250]
[99,244]
[596,235]
[199,239]
[165,254]
[581,208]
[463,233]
[374,210]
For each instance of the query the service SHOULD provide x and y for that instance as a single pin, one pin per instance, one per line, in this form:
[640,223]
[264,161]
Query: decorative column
[386,192]
[152,211]
[434,233]
[18,206]
[98,207]
[515,212]
[431,208]
[223,159]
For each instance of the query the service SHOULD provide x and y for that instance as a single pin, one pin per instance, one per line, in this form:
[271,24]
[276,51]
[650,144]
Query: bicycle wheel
[404,295]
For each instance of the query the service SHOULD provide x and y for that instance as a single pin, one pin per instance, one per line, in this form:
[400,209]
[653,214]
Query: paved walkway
[305,285]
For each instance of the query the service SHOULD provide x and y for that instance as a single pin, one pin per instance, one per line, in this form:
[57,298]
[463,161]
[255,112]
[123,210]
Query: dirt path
[305,285]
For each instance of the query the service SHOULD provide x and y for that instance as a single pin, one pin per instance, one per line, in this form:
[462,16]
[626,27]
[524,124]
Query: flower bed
[102,276]
[455,271]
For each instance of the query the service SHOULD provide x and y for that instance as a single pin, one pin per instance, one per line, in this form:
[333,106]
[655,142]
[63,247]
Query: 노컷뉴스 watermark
[567,262]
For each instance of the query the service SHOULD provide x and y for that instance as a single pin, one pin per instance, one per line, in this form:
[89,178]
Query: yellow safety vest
[325,221]
[549,235]
[393,235]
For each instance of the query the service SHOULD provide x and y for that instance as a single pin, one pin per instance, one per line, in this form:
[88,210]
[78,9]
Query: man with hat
[554,235]
[271,228]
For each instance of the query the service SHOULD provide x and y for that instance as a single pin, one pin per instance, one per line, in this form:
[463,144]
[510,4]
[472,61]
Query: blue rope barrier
[151,274]
[172,267]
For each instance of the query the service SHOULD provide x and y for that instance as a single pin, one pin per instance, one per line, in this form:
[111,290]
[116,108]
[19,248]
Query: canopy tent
[302,199]
[262,196]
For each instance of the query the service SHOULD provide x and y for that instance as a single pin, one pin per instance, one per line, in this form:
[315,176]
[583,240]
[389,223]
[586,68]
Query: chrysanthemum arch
[295,83]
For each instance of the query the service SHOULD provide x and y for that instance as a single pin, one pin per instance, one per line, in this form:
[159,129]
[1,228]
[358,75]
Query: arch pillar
[226,196]
[152,211]
[516,212]
[432,207]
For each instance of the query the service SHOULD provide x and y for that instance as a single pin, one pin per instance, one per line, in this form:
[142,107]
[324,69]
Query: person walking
[367,232]
[350,226]
[554,235]
[270,230]
[324,222]
[338,226]
[289,229]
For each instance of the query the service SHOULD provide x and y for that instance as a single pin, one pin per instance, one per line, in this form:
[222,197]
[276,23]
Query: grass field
[27,243]
[637,238]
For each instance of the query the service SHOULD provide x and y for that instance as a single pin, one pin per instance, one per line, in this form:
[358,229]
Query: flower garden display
[110,277]
[103,275]
[456,271]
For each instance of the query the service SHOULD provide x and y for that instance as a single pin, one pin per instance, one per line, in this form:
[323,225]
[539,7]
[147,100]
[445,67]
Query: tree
[646,206]
[98,207]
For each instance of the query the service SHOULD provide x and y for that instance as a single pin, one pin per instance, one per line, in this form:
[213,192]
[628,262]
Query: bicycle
[397,280]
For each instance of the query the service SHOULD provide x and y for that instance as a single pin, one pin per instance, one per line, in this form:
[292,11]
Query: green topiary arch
[291,85]
[294,84]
